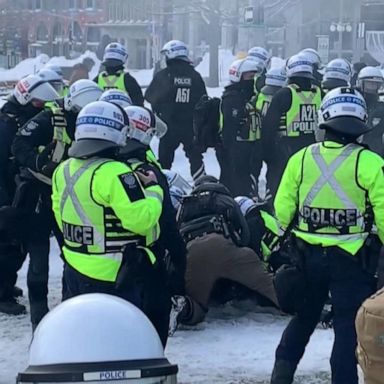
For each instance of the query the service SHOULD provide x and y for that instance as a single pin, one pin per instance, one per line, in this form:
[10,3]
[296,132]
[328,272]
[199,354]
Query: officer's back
[176,89]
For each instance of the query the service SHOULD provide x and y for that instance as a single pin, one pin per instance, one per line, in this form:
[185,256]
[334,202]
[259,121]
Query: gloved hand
[147,178]
[49,168]
[43,158]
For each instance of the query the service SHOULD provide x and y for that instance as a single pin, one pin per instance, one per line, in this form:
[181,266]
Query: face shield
[371,87]
[58,86]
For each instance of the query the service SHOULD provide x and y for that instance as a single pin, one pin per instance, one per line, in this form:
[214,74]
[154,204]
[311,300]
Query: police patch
[131,186]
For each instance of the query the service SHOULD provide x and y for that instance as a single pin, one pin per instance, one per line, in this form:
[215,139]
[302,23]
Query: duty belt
[204,226]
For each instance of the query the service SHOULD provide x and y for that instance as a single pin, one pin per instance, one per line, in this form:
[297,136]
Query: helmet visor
[371,86]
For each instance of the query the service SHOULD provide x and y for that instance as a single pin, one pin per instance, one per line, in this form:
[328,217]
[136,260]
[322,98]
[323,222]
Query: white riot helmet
[370,80]
[142,124]
[239,67]
[115,55]
[53,78]
[175,49]
[299,66]
[343,110]
[33,88]
[260,54]
[313,56]
[338,69]
[116,344]
[174,179]
[276,77]
[116,96]
[55,68]
[81,93]
[99,126]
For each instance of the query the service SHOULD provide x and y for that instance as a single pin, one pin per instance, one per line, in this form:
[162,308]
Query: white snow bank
[33,65]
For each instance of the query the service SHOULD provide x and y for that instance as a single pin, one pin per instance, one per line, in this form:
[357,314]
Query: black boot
[11,307]
[283,372]
[17,292]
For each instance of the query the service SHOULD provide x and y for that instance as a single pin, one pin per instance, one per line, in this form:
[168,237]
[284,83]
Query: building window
[72,4]
[89,4]
[39,4]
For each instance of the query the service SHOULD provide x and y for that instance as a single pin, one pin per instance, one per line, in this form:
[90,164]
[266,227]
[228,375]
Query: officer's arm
[287,196]
[138,208]
[56,199]
[280,104]
[371,178]
[234,115]
[37,132]
[134,90]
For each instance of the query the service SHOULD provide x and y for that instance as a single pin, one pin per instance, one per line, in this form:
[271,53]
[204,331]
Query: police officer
[313,56]
[261,55]
[26,100]
[290,122]
[217,235]
[40,145]
[275,79]
[240,129]
[173,94]
[107,216]
[114,76]
[329,195]
[369,82]
[170,248]
[338,73]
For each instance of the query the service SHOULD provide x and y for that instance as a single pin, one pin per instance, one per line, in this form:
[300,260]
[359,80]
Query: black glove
[49,168]
[44,157]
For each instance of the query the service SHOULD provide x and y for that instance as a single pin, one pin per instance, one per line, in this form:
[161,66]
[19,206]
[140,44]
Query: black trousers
[181,133]
[329,270]
[240,166]
[37,243]
[150,295]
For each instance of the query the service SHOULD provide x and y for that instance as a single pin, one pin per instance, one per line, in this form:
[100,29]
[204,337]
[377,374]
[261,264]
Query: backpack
[370,337]
[206,122]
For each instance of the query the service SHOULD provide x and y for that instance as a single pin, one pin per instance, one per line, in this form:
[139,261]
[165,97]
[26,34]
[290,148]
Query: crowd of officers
[76,162]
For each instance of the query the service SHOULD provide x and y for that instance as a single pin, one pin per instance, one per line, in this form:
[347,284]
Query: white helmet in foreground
[143,124]
[260,54]
[116,96]
[175,49]
[99,126]
[116,344]
[338,69]
[33,88]
[244,66]
[343,110]
[299,66]
[276,77]
[81,93]
[370,80]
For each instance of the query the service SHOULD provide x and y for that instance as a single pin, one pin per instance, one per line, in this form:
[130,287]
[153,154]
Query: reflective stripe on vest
[60,136]
[106,81]
[263,102]
[335,212]
[94,238]
[301,118]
